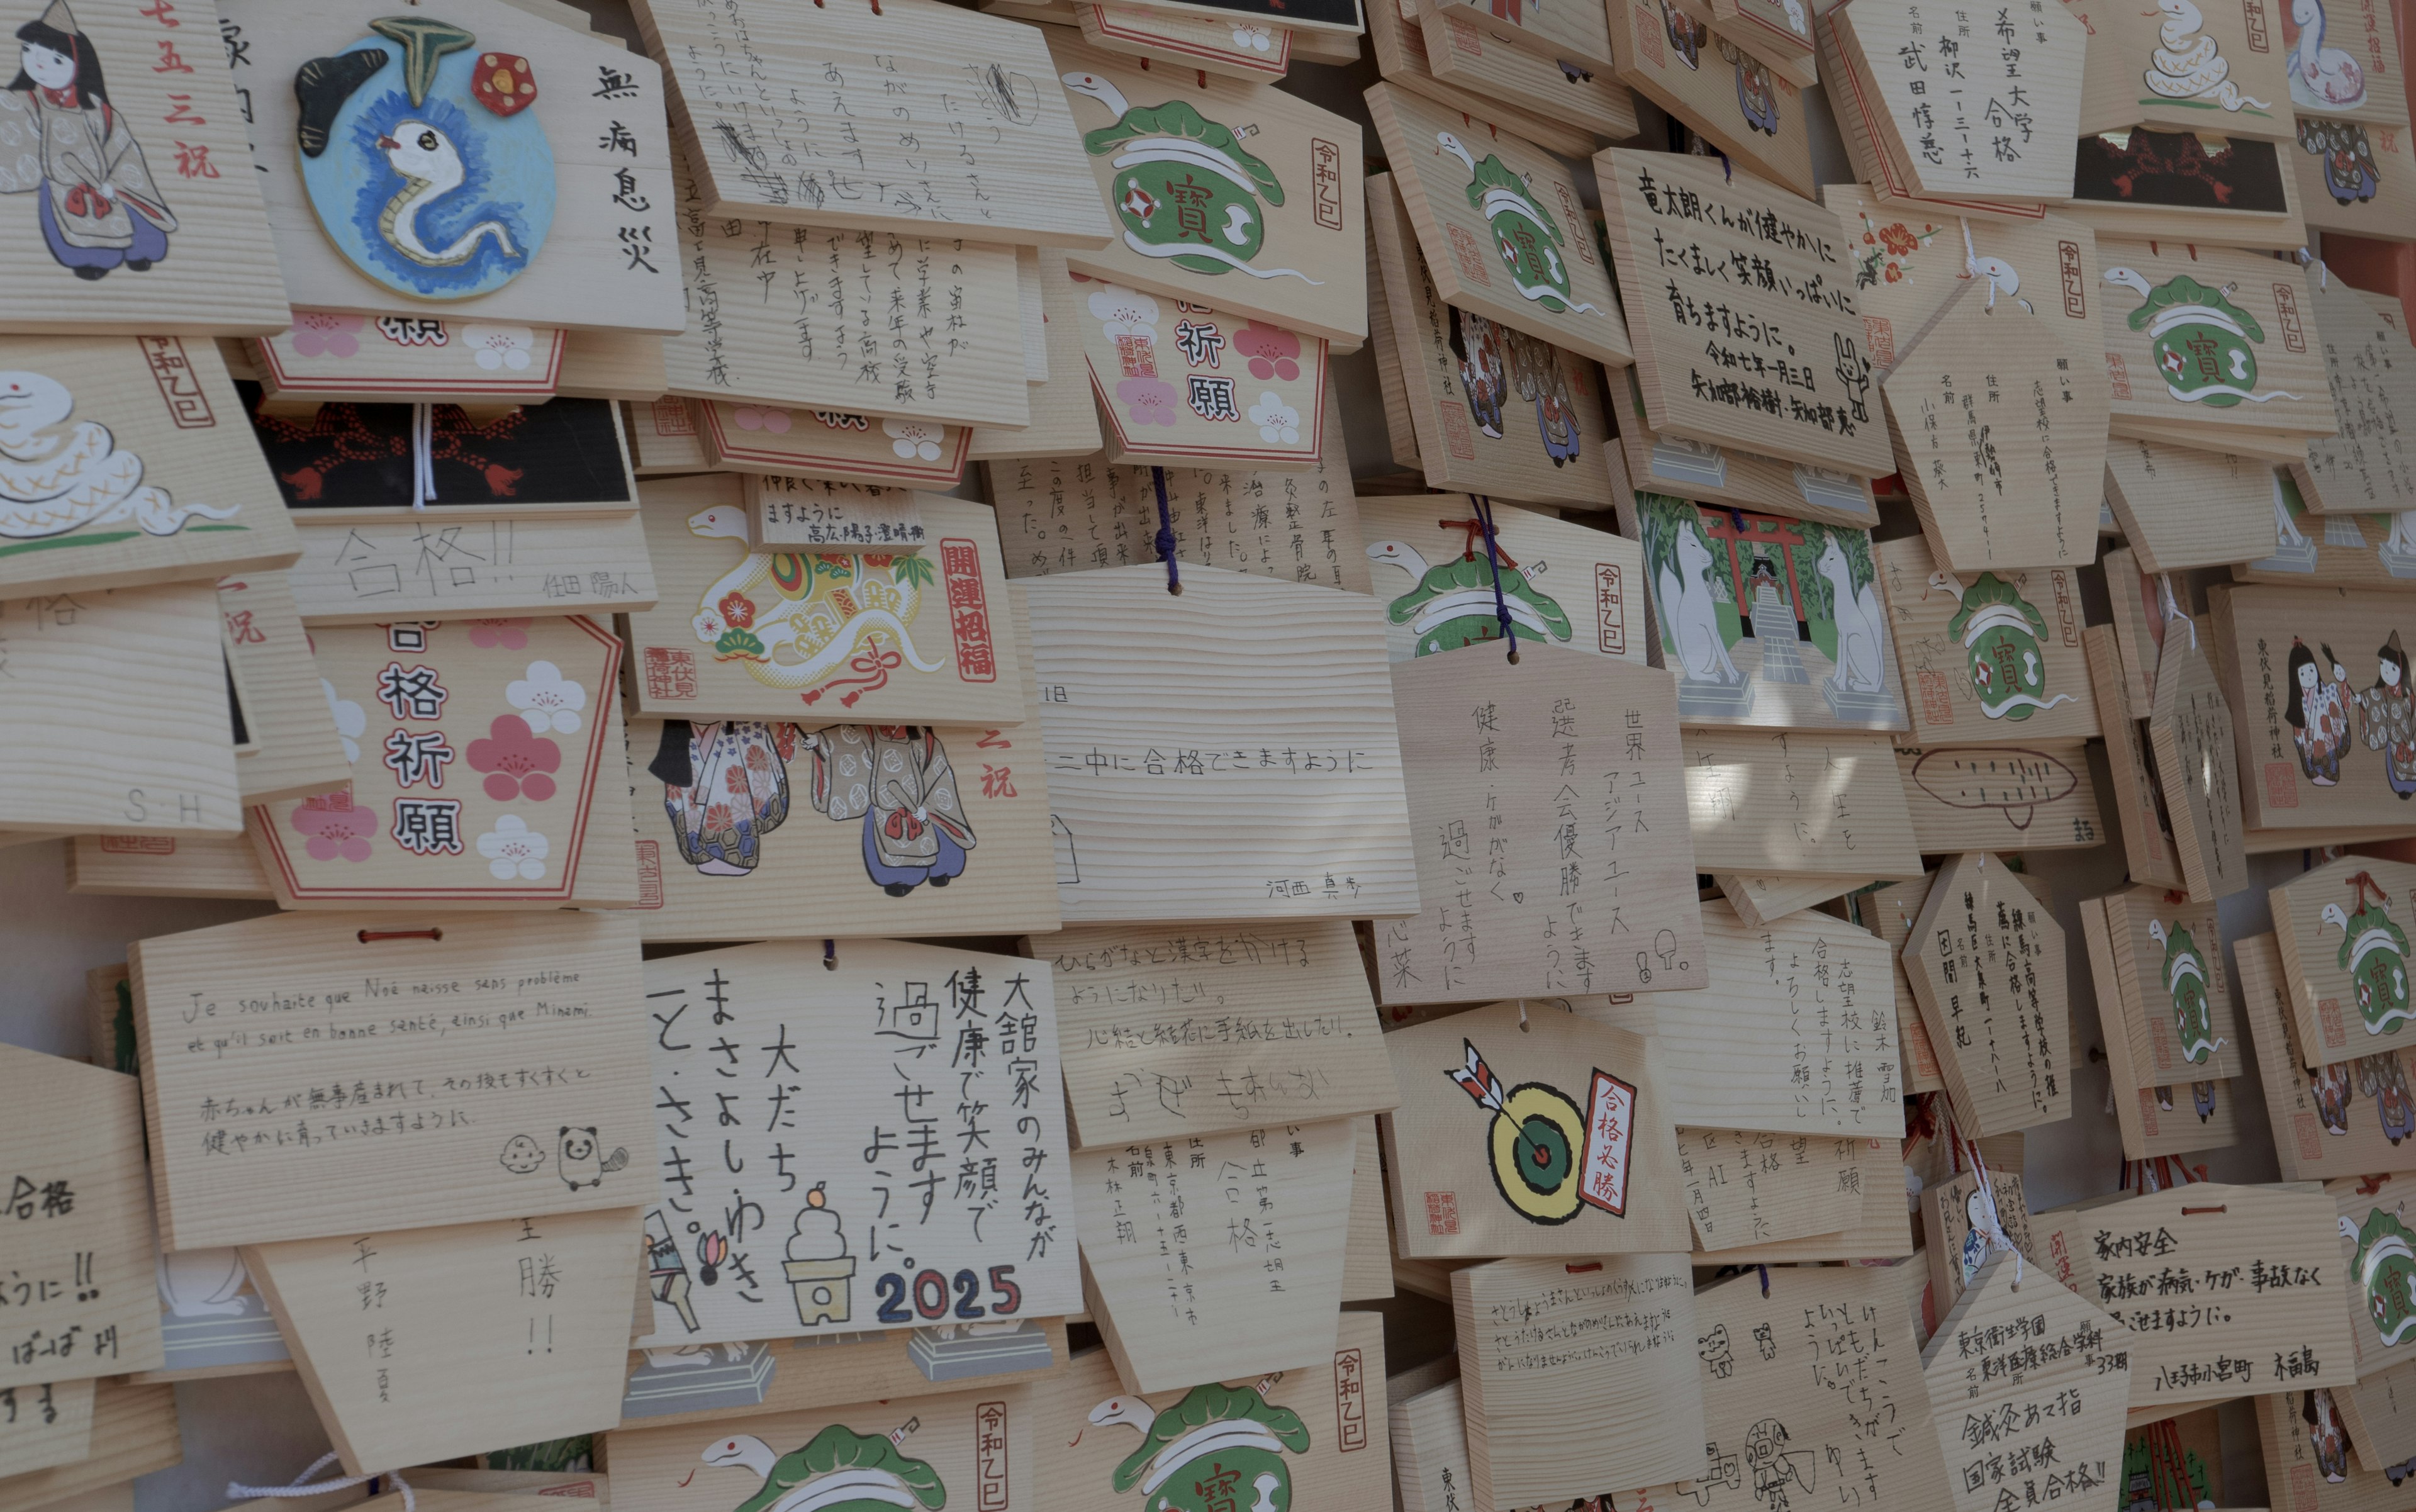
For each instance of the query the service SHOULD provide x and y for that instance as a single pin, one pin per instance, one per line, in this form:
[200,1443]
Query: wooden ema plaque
[1994,660]
[1953,1221]
[2135,183]
[351,1027]
[293,748]
[1844,786]
[1231,754]
[1987,965]
[2379,1413]
[1568,585]
[1481,54]
[1235,49]
[1994,134]
[166,866]
[1766,621]
[2317,679]
[1192,386]
[2319,1131]
[2304,1436]
[1724,475]
[509,1330]
[1504,236]
[1400,51]
[1308,1437]
[134,1432]
[78,1251]
[745,631]
[1468,385]
[2339,60]
[331,356]
[822,515]
[2220,346]
[2150,1094]
[484,770]
[1284,207]
[1016,180]
[1176,1033]
[2177,1019]
[1812,1396]
[1888,911]
[1753,1187]
[667,1388]
[2380,1259]
[2219,70]
[1182,1240]
[2027,1384]
[2372,370]
[2182,508]
[1737,103]
[1999,437]
[1908,261]
[737,1250]
[44,1426]
[1877,1228]
[1780,370]
[2340,931]
[1485,1162]
[2352,178]
[1583,38]
[2190,730]
[2141,816]
[964,1448]
[2001,797]
[1577,1376]
[1761,900]
[887,451]
[155,757]
[1064,421]
[1527,888]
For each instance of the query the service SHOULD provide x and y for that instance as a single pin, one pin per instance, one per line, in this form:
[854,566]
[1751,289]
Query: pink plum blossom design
[338,828]
[1148,400]
[506,634]
[1273,352]
[321,333]
[760,417]
[517,762]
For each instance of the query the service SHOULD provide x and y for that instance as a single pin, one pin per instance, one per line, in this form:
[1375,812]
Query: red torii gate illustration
[1733,527]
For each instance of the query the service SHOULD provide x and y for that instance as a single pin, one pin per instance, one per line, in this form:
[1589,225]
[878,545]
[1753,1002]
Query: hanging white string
[2172,607]
[2323,273]
[302,1485]
[1972,261]
[423,459]
[1991,1225]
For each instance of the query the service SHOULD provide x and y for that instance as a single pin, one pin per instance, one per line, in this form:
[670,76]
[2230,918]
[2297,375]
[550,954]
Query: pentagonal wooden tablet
[2190,730]
[1972,103]
[1987,965]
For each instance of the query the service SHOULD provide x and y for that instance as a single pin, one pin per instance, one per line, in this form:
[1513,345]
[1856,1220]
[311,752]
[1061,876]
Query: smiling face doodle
[521,1154]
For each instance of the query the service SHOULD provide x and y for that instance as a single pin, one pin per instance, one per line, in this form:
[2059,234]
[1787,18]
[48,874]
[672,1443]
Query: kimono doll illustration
[2319,712]
[2383,1078]
[897,777]
[2331,1087]
[2387,713]
[1477,342]
[2326,1435]
[725,786]
[63,142]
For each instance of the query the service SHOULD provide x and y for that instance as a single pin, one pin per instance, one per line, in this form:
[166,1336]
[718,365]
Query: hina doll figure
[61,140]
[2319,712]
[2326,1435]
[2332,1089]
[898,780]
[725,786]
[2203,1099]
[2383,1078]
[1685,35]
[2387,717]
[1535,374]
[1477,342]
[1757,96]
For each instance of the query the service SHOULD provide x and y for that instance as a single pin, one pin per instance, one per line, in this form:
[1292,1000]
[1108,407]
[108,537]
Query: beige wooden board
[1478,52]
[542,1077]
[422,1343]
[1174,1032]
[2136,799]
[1323,37]
[1458,1183]
[2372,370]
[1761,900]
[821,515]
[1997,659]
[1840,790]
[856,1244]
[1953,1226]
[2319,1130]
[892,451]
[1812,1396]
[2343,61]
[2275,224]
[2338,928]
[2147,1107]
[1459,374]
[1320,1436]
[2272,375]
[486,771]
[2307,1447]
[1754,1187]
[1987,965]
[295,747]
[1010,174]
[2179,506]
[615,365]
[1240,48]
[1798,1011]
[1779,370]
[166,866]
[1231,753]
[1881,1227]
[957,357]
[1888,911]
[1216,1256]
[1567,584]
[1694,469]
[2270,842]
[373,567]
[1030,312]
[46,1425]
[1187,385]
[1367,1254]
[133,1432]
[1576,1376]
[1771,29]
[2025,1380]
[2354,178]
[1526,887]
[2158,1120]
[1767,621]
[881,1365]
[2175,994]
[964,1449]
[78,1248]
[2172,1265]
[127,461]
[2370,551]
[1721,91]
[1999,438]
[1298,264]
[1064,421]
[2378,1261]
[334,356]
[1400,48]
[2191,732]
[1992,133]
[2379,1413]
[1429,1433]
[2220,71]
[157,756]
[1504,234]
[2140,622]
[742,632]
[2317,722]
[1583,39]
[607,258]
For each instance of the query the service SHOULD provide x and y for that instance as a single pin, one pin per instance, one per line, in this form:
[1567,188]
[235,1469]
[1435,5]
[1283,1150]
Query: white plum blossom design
[514,850]
[1277,421]
[912,439]
[545,699]
[1253,38]
[350,719]
[497,347]
[1126,312]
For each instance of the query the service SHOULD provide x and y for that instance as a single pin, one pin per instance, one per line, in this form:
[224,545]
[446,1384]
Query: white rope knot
[302,1485]
[1972,261]
[2323,273]
[2172,607]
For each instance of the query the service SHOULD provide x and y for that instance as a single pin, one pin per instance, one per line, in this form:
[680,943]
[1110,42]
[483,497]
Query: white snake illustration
[2187,66]
[426,158]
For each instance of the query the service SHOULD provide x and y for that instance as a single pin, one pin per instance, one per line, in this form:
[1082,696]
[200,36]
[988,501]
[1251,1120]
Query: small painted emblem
[1526,236]
[1220,1446]
[2000,630]
[2374,952]
[2385,1267]
[2204,345]
[2186,986]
